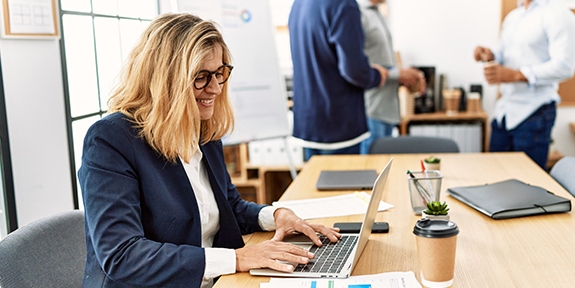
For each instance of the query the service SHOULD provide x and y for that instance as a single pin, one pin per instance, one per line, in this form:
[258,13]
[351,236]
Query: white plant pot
[432,166]
[435,217]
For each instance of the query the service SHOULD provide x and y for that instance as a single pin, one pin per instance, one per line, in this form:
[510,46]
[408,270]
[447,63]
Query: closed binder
[509,199]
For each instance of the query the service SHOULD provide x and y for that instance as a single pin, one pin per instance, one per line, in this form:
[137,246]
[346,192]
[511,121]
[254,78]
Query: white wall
[444,33]
[37,127]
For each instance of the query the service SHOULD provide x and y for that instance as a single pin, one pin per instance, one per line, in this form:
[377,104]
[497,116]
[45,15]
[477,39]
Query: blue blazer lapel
[229,235]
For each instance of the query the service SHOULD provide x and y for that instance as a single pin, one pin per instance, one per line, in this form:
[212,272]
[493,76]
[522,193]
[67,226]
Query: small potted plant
[431,163]
[436,211]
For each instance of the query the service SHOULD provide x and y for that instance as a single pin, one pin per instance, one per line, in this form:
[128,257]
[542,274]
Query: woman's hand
[265,254]
[287,223]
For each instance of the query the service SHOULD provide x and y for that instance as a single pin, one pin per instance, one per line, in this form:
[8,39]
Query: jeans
[533,136]
[378,129]
[308,152]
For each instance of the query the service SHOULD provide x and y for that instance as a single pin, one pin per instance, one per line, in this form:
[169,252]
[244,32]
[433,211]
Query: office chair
[413,144]
[50,252]
[562,172]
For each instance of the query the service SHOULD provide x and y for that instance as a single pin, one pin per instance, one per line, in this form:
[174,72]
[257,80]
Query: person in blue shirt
[330,74]
[160,207]
[537,51]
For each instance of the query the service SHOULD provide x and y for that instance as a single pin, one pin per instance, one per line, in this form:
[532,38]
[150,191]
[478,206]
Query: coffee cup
[451,98]
[473,102]
[489,63]
[436,242]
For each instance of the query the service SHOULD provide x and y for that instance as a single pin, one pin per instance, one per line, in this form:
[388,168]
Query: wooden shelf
[260,184]
[442,117]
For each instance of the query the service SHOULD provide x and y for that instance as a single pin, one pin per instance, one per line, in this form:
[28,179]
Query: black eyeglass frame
[212,74]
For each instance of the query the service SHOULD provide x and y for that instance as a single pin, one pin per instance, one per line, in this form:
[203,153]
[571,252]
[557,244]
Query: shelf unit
[443,118]
[260,184]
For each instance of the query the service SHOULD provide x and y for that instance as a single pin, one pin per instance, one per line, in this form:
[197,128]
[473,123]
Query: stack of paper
[383,280]
[343,205]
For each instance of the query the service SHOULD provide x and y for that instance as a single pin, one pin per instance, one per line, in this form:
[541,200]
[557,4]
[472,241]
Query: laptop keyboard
[330,257]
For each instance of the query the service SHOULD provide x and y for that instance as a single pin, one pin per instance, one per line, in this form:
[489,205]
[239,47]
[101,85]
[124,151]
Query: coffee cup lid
[435,228]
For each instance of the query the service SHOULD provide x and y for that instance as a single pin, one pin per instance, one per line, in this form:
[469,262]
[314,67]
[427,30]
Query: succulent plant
[432,160]
[436,208]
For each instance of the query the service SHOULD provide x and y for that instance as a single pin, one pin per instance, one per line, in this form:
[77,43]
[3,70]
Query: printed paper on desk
[342,205]
[382,280]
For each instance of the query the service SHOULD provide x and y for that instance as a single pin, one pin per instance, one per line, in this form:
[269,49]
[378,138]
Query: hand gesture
[483,54]
[414,79]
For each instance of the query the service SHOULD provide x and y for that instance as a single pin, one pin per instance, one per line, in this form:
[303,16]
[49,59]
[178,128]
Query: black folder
[509,199]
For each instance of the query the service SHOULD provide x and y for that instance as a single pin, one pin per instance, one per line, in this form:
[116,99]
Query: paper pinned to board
[382,280]
[342,205]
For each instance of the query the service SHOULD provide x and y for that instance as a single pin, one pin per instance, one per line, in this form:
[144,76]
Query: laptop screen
[369,218]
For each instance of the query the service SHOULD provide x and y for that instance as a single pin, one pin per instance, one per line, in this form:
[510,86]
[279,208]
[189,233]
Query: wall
[37,127]
[444,33]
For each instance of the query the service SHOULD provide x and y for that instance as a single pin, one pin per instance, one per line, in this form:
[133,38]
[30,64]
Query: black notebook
[509,199]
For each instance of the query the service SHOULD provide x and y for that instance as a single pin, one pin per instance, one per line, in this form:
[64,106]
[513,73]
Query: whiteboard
[257,88]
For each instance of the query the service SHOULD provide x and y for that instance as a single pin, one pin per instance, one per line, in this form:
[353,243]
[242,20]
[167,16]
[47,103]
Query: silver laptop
[335,259]
[346,180]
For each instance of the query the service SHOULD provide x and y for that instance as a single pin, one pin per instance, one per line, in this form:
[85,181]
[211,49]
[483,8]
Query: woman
[160,207]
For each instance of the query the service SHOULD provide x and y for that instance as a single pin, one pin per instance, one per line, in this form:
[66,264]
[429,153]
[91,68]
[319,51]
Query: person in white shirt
[160,207]
[537,51]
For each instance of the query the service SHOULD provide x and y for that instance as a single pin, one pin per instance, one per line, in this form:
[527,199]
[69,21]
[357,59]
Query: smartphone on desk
[354,227]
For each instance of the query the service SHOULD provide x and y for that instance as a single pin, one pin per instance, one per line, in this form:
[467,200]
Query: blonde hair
[156,86]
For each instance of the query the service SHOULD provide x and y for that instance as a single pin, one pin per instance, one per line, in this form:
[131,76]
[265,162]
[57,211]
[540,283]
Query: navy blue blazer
[142,220]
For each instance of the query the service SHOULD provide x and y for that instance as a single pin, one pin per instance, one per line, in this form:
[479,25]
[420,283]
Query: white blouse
[219,261]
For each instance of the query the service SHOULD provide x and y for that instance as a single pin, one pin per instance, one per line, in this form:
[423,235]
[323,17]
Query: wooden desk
[442,117]
[534,251]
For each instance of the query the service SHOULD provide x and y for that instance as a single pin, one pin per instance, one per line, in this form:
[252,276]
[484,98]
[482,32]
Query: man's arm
[348,36]
[495,73]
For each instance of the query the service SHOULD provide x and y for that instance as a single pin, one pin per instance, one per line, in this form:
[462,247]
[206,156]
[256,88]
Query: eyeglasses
[204,77]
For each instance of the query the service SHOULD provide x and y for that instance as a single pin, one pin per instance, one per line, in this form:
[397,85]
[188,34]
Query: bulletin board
[36,19]
[567,88]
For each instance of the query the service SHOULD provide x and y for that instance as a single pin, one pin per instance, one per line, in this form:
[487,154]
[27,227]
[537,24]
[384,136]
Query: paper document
[383,280]
[342,205]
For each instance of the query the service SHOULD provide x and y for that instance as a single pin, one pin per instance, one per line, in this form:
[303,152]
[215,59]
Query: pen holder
[424,187]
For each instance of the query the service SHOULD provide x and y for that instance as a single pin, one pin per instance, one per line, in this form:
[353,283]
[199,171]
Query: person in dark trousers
[535,54]
[330,74]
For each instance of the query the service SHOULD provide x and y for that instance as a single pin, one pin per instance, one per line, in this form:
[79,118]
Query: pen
[422,192]
[427,197]
[427,181]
